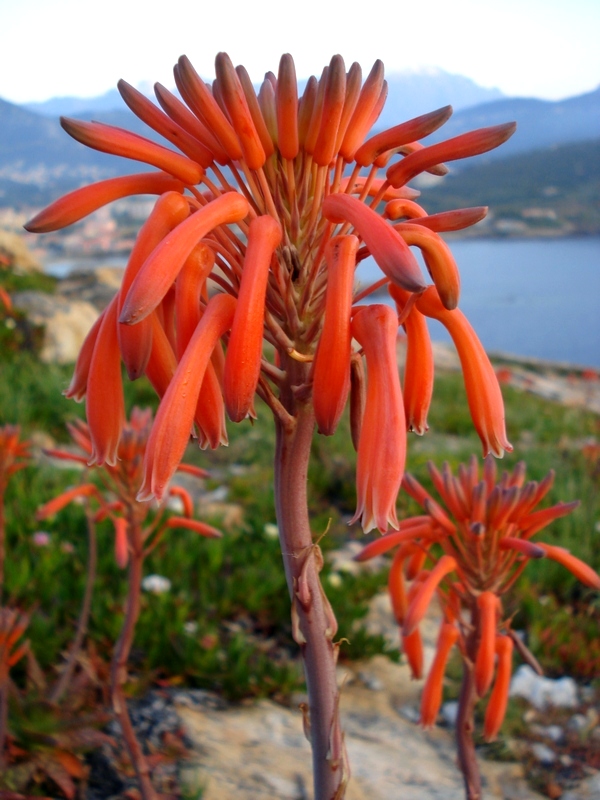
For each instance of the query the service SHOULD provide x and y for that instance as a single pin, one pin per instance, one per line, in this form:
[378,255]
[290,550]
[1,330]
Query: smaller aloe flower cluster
[13,647]
[119,485]
[14,453]
[476,547]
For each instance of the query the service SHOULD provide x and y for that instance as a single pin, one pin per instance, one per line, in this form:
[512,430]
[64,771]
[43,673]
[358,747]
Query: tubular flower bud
[366,109]
[380,462]
[104,406]
[385,245]
[162,267]
[419,367]
[287,108]
[119,142]
[58,503]
[438,259]
[135,342]
[581,571]
[420,603]
[431,699]
[121,543]
[451,220]
[487,605]
[412,647]
[82,202]
[195,525]
[334,99]
[331,377]
[496,708]
[483,392]
[242,364]
[239,113]
[156,119]
[167,441]
[467,144]
[401,134]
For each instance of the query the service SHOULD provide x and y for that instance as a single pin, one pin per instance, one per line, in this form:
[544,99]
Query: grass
[225,623]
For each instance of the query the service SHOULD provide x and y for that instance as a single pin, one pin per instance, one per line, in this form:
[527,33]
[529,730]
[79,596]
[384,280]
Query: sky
[536,48]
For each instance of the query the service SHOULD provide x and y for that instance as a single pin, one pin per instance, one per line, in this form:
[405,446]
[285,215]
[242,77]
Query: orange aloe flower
[303,176]
[483,544]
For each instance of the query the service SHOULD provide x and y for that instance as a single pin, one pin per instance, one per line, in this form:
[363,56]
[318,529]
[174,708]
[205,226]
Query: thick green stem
[121,656]
[313,622]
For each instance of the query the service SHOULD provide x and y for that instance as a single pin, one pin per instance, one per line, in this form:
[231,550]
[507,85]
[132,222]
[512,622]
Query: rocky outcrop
[68,315]
[65,322]
[15,255]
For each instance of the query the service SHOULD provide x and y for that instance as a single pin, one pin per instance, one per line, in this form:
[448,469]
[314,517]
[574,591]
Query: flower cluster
[477,547]
[117,487]
[274,198]
[13,648]
[14,453]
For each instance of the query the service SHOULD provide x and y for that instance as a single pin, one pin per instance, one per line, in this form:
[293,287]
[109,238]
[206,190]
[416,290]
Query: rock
[15,254]
[543,753]
[450,713]
[96,287]
[543,692]
[589,789]
[553,732]
[583,723]
[371,681]
[66,323]
[259,752]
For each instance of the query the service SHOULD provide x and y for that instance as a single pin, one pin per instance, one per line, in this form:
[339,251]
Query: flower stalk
[280,233]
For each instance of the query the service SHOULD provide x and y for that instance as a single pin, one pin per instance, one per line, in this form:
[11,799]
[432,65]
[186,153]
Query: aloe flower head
[114,492]
[272,197]
[469,550]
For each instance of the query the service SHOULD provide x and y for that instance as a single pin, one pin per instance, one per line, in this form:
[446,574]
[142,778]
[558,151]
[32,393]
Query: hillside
[555,190]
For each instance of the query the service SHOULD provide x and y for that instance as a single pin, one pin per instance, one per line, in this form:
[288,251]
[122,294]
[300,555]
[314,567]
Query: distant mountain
[77,106]
[417,92]
[35,151]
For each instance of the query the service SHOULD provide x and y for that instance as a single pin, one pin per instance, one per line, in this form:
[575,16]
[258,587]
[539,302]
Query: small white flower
[190,627]
[41,538]
[335,579]
[271,530]
[157,584]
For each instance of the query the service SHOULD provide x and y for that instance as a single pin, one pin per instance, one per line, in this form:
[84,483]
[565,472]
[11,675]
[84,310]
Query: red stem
[121,656]
[313,623]
[465,722]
